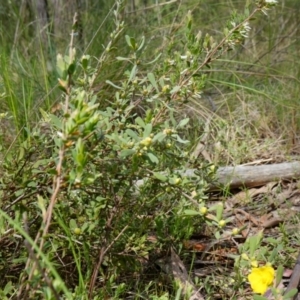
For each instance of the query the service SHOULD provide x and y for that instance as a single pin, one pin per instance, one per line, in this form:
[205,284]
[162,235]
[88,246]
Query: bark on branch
[252,176]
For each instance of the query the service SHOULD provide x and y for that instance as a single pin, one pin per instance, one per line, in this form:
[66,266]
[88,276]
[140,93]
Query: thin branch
[57,178]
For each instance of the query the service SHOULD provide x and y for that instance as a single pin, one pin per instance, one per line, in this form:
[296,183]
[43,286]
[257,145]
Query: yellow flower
[261,278]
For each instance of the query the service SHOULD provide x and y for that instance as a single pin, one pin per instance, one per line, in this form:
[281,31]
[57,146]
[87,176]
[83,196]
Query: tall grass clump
[99,198]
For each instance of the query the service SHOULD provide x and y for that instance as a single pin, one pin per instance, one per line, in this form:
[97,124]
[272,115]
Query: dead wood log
[248,176]
[253,176]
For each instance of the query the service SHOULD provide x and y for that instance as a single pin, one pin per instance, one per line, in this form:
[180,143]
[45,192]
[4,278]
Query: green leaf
[152,80]
[160,176]
[123,58]
[254,242]
[45,115]
[183,122]
[131,42]
[82,120]
[154,60]
[72,224]
[279,273]
[63,85]
[219,211]
[56,121]
[258,297]
[41,204]
[132,73]
[19,192]
[139,121]
[141,44]
[290,294]
[71,69]
[85,61]
[112,84]
[217,235]
[191,212]
[61,66]
[126,152]
[147,130]
[180,140]
[175,89]
[159,137]
[8,288]
[132,134]
[153,158]
[32,184]
[21,153]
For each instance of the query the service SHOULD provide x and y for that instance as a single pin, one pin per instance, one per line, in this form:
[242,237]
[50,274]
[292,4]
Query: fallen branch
[253,176]
[248,176]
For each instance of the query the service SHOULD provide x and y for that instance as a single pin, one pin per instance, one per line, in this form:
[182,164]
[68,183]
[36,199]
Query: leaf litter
[268,208]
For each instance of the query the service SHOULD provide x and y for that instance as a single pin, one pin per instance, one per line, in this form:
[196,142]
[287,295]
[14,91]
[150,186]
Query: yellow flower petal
[261,278]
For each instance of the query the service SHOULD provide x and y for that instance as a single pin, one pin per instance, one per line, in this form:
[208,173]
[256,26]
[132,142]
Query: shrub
[101,184]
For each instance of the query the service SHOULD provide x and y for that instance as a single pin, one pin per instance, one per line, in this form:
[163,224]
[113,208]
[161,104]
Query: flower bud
[146,142]
[245,256]
[222,223]
[203,210]
[77,231]
[235,231]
